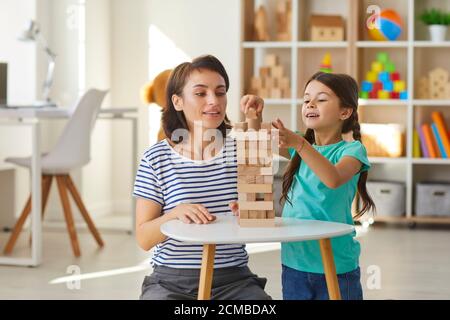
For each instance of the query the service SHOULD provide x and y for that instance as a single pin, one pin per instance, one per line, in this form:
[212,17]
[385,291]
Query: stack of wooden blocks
[271,82]
[284,20]
[255,171]
[435,86]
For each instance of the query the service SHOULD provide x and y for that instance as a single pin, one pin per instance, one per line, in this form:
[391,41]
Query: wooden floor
[411,264]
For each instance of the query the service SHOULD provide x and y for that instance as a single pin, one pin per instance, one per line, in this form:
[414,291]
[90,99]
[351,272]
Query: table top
[226,229]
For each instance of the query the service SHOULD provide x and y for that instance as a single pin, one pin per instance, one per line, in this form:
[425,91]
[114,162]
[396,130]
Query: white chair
[71,151]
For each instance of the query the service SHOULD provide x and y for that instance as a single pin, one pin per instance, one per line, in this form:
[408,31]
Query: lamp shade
[29,34]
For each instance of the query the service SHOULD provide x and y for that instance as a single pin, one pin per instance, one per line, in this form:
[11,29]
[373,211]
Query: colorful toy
[325,65]
[382,81]
[255,172]
[389,26]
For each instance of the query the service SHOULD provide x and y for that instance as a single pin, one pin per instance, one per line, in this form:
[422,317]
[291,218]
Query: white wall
[196,27]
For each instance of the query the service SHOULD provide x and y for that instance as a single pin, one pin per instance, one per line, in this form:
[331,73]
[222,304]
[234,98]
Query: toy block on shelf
[255,171]
[326,28]
[261,26]
[283,19]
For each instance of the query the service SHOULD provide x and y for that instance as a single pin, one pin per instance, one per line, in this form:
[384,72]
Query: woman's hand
[189,213]
[252,101]
[288,138]
[234,207]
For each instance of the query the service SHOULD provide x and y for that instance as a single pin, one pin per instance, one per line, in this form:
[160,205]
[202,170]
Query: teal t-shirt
[313,200]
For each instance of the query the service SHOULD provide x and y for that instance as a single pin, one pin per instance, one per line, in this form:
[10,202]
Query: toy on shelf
[387,26]
[434,137]
[326,28]
[383,140]
[284,20]
[255,171]
[271,82]
[434,86]
[261,25]
[325,65]
[383,81]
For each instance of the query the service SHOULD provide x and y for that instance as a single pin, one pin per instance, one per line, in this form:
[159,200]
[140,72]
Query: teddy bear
[155,92]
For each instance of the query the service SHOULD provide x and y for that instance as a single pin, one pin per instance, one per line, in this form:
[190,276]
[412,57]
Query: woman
[192,176]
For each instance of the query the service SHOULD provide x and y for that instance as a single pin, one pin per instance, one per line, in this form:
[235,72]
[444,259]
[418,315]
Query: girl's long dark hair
[346,89]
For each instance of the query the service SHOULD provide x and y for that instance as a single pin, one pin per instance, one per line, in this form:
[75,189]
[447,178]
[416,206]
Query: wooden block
[242,196]
[270,214]
[254,124]
[277,72]
[257,223]
[241,151]
[276,93]
[268,179]
[261,214]
[268,197]
[243,214]
[257,187]
[256,83]
[256,205]
[264,72]
[240,126]
[246,179]
[253,214]
[255,171]
[271,60]
[266,126]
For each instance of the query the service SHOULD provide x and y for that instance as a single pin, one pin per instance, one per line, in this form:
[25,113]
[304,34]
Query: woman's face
[321,107]
[204,99]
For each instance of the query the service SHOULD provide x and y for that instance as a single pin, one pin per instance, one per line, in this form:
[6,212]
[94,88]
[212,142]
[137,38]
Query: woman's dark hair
[346,89]
[173,119]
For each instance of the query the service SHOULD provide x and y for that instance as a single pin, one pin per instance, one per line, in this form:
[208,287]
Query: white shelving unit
[412,53]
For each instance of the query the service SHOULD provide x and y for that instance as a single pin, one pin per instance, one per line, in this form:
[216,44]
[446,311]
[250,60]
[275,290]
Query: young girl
[323,176]
[184,179]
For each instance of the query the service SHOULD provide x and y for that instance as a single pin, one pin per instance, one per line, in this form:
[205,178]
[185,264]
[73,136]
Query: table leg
[206,272]
[330,269]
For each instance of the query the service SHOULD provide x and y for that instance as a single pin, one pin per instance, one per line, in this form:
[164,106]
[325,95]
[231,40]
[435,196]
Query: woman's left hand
[288,138]
[252,101]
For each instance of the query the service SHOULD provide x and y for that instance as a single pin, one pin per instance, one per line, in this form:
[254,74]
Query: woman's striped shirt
[167,178]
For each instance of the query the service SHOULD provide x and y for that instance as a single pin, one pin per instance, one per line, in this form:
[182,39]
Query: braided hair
[346,89]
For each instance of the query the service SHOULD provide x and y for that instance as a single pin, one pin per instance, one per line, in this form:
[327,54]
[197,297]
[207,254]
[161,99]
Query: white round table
[226,229]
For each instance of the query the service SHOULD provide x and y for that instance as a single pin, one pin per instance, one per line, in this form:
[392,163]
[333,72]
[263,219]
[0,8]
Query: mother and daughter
[183,178]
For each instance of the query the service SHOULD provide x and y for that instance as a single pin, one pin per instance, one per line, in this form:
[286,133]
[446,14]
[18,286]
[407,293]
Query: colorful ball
[390,26]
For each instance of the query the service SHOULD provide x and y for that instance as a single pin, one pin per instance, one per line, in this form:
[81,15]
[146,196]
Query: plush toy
[155,92]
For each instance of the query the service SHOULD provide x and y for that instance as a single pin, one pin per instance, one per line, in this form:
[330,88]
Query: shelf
[431,44]
[322,44]
[382,102]
[382,44]
[276,102]
[267,44]
[430,161]
[431,103]
[383,160]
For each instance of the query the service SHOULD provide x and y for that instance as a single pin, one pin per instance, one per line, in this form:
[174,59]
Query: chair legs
[76,196]
[64,183]
[68,215]
[46,183]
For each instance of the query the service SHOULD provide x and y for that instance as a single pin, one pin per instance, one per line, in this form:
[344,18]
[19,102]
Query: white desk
[225,229]
[32,117]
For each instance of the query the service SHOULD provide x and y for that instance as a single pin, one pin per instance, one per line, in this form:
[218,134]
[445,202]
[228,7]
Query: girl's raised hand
[287,138]
[252,101]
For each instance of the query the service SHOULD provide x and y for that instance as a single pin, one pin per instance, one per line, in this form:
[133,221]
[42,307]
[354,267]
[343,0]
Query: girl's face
[321,108]
[204,98]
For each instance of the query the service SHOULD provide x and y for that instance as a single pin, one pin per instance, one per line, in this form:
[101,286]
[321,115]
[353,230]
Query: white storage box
[389,197]
[433,199]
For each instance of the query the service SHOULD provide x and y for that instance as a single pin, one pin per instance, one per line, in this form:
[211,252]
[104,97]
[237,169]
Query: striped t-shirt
[168,178]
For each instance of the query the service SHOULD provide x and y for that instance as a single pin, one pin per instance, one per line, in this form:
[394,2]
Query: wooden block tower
[255,172]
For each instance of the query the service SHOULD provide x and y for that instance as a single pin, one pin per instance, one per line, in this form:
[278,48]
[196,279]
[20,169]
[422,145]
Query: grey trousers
[233,283]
